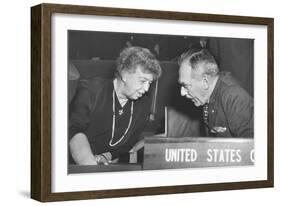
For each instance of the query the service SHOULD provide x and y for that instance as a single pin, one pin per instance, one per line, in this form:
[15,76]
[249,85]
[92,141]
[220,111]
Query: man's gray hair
[196,57]
[132,57]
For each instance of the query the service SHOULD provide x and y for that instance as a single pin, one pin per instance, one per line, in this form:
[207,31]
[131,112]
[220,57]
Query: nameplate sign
[186,152]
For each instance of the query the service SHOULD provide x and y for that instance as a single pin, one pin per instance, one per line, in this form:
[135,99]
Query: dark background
[107,45]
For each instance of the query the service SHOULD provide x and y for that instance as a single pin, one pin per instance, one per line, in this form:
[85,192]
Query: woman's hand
[104,158]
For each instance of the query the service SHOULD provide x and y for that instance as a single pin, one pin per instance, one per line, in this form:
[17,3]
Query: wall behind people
[85,45]
[236,56]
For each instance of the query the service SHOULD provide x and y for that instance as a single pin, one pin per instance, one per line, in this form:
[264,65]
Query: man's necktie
[206,114]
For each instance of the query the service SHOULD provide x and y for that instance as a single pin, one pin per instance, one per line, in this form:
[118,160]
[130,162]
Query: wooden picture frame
[41,101]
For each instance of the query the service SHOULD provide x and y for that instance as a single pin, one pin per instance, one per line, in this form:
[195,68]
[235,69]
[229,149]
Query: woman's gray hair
[132,57]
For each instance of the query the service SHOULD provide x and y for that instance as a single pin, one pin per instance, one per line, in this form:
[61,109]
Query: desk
[182,152]
[74,169]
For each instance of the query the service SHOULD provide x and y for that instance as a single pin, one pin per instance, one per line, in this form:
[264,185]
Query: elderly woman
[108,115]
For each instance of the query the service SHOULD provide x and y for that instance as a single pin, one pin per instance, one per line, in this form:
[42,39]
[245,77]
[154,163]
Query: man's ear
[206,83]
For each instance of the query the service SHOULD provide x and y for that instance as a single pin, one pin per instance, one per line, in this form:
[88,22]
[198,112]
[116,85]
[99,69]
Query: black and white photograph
[140,101]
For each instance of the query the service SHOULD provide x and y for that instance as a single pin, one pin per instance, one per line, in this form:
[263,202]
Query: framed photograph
[129,102]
